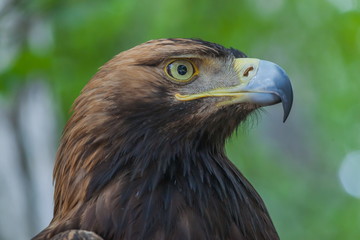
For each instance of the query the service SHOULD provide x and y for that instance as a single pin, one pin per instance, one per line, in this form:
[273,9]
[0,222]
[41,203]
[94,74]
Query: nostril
[247,71]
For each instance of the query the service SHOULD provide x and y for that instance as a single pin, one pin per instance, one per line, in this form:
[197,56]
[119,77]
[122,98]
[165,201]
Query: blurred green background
[294,166]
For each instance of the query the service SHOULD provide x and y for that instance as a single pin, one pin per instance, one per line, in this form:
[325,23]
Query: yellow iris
[180,70]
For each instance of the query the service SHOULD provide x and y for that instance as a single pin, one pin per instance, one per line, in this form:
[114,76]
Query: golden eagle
[142,156]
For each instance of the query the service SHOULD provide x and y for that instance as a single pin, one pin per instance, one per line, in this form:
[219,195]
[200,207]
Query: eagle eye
[180,70]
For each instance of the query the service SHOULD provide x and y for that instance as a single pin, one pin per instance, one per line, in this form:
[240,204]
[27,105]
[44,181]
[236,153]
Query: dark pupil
[182,69]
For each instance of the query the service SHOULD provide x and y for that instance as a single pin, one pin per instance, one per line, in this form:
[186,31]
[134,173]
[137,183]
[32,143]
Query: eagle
[142,156]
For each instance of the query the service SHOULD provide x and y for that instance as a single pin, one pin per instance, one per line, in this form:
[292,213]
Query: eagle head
[143,153]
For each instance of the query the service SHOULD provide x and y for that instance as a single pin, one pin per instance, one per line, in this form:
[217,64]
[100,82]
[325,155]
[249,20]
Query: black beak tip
[287,104]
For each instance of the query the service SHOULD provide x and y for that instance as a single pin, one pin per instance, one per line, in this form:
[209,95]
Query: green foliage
[294,166]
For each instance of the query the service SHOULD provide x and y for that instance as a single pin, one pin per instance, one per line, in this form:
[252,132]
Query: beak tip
[286,115]
[287,105]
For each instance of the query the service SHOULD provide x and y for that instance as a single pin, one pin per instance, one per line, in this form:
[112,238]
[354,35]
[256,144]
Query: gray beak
[260,82]
[270,85]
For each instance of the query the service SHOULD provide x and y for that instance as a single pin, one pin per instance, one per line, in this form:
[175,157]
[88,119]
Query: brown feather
[76,235]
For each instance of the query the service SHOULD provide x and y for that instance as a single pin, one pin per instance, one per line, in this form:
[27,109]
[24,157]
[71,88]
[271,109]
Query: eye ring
[181,70]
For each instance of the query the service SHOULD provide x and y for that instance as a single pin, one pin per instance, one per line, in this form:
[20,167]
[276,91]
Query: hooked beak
[260,82]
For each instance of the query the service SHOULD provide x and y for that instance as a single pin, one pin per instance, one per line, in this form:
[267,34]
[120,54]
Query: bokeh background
[307,170]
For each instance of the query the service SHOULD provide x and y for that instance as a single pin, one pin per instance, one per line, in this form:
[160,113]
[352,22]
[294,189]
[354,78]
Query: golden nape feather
[76,235]
[142,156]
